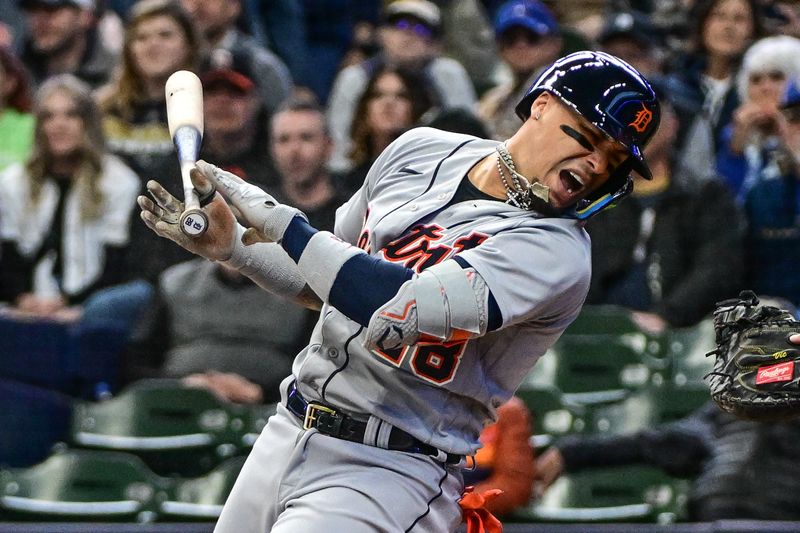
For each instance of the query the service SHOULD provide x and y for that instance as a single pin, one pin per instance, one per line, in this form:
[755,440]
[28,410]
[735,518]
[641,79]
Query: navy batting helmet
[616,99]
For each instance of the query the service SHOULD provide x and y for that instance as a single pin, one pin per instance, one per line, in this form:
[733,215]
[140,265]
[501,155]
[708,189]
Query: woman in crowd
[66,211]
[723,29]
[751,140]
[394,101]
[16,121]
[159,39]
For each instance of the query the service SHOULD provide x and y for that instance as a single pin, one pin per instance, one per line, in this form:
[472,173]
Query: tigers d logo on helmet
[643,118]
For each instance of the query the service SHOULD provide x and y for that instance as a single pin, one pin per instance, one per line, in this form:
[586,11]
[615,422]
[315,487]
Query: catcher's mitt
[756,373]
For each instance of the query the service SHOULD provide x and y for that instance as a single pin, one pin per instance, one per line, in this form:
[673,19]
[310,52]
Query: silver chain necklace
[520,195]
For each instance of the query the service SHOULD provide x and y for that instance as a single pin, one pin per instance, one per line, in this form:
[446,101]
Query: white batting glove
[267,218]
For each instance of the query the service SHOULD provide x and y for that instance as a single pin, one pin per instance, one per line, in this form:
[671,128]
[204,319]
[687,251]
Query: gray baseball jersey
[537,270]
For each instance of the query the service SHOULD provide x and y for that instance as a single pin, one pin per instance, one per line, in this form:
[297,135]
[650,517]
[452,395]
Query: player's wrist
[239,254]
[276,221]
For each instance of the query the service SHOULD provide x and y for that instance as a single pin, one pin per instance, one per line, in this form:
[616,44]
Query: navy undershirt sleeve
[364,283]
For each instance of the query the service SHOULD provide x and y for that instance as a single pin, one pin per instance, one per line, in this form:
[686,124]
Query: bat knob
[194,222]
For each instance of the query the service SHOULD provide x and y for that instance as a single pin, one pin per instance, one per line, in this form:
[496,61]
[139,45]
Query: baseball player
[449,273]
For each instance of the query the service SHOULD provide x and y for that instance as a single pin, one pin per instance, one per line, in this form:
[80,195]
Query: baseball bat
[185,119]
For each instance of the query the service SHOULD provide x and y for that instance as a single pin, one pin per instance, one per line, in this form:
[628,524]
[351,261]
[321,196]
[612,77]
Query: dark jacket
[742,469]
[95,68]
[693,257]
[772,207]
[688,96]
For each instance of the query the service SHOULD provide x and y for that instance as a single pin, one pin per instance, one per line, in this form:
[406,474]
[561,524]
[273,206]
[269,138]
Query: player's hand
[228,386]
[42,306]
[163,217]
[650,322]
[265,217]
[549,466]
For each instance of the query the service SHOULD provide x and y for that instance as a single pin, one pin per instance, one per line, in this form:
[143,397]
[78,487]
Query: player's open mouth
[572,182]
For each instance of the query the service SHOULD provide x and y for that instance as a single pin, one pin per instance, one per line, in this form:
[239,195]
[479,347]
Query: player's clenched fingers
[163,198]
[253,236]
[161,228]
[203,185]
[166,230]
[146,204]
[237,191]
[171,231]
[213,173]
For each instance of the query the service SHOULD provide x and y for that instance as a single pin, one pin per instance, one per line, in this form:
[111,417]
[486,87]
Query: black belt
[329,421]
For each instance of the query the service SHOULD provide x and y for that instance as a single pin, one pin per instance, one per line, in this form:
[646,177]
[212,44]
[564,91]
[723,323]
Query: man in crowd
[62,38]
[409,35]
[216,19]
[528,38]
[301,147]
[235,123]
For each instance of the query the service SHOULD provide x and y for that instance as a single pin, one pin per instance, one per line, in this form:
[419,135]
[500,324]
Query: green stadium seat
[201,498]
[254,419]
[673,402]
[82,485]
[615,321]
[641,409]
[636,411]
[613,494]
[600,368]
[686,348]
[603,320]
[552,415]
[174,429]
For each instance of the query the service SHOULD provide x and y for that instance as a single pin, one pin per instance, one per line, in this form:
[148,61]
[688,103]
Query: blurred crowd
[301,96]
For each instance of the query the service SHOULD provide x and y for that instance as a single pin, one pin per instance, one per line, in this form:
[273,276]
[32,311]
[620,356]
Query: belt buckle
[311,411]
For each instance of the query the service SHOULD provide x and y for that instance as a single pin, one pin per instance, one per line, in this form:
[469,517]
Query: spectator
[529,39]
[574,37]
[12,26]
[301,147]
[781,18]
[298,30]
[771,208]
[750,140]
[506,460]
[723,29]
[235,123]
[409,36]
[394,101]
[469,39]
[458,121]
[217,329]
[66,211]
[16,121]
[159,39]
[63,38]
[630,36]
[121,7]
[216,19]
[671,252]
[741,469]
[363,45]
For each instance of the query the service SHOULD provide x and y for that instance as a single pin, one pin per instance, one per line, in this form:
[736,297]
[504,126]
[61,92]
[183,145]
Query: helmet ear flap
[618,186]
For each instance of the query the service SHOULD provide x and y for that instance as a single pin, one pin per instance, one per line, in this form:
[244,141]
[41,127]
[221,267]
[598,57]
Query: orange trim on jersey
[396,360]
[459,335]
[405,312]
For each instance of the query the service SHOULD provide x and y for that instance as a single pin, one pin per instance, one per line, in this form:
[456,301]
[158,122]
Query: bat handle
[194,221]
